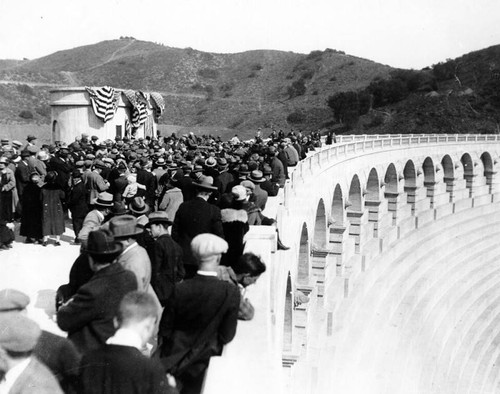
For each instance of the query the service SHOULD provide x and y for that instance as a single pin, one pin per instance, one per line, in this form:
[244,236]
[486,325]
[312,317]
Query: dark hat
[18,333]
[271,151]
[256,176]
[102,243]
[94,138]
[222,162]
[243,171]
[119,208]
[76,174]
[104,199]
[159,217]
[4,141]
[138,206]
[30,138]
[17,144]
[205,183]
[25,153]
[13,300]
[124,226]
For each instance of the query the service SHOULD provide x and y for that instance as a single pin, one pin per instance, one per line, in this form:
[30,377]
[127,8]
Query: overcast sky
[400,33]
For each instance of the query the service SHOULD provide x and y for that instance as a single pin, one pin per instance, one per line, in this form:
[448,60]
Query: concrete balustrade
[387,237]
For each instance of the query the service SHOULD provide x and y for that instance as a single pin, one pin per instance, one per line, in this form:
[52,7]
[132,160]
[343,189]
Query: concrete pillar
[379,215]
[457,188]
[341,248]
[416,197]
[437,193]
[360,229]
[398,206]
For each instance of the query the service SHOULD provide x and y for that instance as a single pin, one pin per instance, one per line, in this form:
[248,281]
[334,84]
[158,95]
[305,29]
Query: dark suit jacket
[36,379]
[196,302]
[88,316]
[195,217]
[147,179]
[63,169]
[167,266]
[77,201]
[22,174]
[121,369]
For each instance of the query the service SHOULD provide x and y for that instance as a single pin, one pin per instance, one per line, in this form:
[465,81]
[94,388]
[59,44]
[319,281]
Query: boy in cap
[23,372]
[57,353]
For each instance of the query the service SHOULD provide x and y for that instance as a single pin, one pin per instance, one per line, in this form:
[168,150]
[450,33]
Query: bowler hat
[158,217]
[205,183]
[104,199]
[31,138]
[102,243]
[125,226]
[119,208]
[17,144]
[18,333]
[138,206]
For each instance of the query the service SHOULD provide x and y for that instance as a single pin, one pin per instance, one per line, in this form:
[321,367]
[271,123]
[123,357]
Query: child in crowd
[131,190]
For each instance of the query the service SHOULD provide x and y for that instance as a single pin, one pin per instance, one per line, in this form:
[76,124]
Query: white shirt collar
[130,247]
[12,375]
[126,337]
[100,214]
[207,273]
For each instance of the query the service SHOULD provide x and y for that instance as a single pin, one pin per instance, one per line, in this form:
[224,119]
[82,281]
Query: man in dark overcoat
[166,257]
[61,165]
[200,318]
[88,316]
[77,203]
[195,217]
[147,178]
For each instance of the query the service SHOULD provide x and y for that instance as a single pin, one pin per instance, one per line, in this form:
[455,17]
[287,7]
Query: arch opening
[288,317]
[410,175]
[355,195]
[429,172]
[488,169]
[303,267]
[391,179]
[338,207]
[468,167]
[319,240]
[372,186]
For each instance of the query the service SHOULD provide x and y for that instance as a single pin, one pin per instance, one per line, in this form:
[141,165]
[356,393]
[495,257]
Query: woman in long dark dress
[52,209]
[31,214]
[7,184]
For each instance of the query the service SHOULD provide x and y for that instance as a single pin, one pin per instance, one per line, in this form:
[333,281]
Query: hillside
[236,91]
[243,91]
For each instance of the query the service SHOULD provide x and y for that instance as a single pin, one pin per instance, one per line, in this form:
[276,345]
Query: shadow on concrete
[46,301]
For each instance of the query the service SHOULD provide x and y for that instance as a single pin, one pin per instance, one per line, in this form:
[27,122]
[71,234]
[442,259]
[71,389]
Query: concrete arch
[320,225]
[288,317]
[338,206]
[373,186]
[303,266]
[429,171]
[355,195]
[448,168]
[488,165]
[410,174]
[468,168]
[391,180]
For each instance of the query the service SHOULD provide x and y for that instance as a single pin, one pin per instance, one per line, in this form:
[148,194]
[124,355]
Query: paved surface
[38,271]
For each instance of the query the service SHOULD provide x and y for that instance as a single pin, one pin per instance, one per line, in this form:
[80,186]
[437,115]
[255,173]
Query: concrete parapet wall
[410,176]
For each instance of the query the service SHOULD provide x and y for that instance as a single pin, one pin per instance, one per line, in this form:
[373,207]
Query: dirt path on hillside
[112,57]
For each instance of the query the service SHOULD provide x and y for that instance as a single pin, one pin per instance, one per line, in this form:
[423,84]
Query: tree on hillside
[349,106]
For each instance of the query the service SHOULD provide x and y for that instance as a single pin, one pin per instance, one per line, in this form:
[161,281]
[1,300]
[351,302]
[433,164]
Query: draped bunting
[104,101]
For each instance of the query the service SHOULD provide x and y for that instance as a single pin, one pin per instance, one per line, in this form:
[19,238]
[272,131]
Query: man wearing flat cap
[200,318]
[88,315]
[195,217]
[24,374]
[57,353]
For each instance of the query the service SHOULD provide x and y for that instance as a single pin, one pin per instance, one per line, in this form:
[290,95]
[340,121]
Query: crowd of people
[159,282]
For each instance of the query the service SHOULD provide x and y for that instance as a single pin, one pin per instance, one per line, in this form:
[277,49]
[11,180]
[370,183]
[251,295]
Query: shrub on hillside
[444,71]
[208,73]
[43,110]
[315,55]
[256,67]
[349,106]
[25,114]
[297,88]
[25,89]
[296,117]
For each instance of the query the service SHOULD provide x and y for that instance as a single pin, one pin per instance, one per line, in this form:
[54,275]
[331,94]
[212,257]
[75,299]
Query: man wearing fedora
[95,218]
[88,315]
[166,257]
[134,257]
[195,217]
[260,195]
